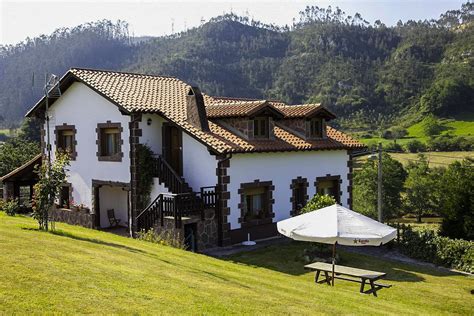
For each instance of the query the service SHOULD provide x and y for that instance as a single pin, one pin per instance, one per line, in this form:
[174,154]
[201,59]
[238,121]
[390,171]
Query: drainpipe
[219,209]
[134,126]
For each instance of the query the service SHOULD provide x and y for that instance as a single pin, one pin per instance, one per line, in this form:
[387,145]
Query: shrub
[318,201]
[166,238]
[450,143]
[427,246]
[431,126]
[10,207]
[393,147]
[399,132]
[415,146]
[387,134]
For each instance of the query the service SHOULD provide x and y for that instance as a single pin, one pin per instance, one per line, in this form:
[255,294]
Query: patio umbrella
[334,225]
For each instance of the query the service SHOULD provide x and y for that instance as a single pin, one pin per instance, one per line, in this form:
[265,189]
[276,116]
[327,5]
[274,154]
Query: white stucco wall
[157,189]
[84,108]
[113,198]
[281,168]
[199,166]
[151,134]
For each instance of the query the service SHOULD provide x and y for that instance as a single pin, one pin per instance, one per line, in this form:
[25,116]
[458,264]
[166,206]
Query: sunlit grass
[78,270]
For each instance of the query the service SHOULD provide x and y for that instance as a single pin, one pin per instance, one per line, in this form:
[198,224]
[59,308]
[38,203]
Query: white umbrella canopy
[337,224]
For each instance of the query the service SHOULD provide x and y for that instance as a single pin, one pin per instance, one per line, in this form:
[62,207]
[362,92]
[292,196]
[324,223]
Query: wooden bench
[354,273]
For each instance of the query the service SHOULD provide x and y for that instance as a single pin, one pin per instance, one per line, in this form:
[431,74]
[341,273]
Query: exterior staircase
[181,202]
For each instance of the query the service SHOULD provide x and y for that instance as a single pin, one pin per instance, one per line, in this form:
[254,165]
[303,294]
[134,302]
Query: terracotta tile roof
[304,110]
[146,93]
[167,97]
[239,109]
[284,141]
[295,111]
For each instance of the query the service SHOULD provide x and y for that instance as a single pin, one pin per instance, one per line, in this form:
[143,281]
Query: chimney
[195,109]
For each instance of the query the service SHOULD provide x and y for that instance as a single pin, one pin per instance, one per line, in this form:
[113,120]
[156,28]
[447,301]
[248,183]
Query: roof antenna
[51,90]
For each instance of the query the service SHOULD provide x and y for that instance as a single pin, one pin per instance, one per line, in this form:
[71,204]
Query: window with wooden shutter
[316,128]
[66,140]
[260,127]
[109,142]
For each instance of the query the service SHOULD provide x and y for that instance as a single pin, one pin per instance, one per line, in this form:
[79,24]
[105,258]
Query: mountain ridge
[367,74]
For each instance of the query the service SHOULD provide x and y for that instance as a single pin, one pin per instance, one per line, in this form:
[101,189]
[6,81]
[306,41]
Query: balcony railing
[176,206]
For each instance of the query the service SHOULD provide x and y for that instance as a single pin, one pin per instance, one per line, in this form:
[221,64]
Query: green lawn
[85,271]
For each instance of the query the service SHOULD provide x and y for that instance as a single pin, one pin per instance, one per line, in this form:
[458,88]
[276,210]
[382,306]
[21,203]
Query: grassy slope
[87,271]
[460,126]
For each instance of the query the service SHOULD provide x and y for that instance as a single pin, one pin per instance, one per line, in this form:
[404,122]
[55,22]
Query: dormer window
[261,127]
[315,128]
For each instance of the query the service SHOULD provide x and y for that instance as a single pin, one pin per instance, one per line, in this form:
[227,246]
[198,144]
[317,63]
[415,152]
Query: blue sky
[20,19]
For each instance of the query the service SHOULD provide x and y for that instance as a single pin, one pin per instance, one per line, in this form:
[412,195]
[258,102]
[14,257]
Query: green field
[460,126]
[78,270]
[435,159]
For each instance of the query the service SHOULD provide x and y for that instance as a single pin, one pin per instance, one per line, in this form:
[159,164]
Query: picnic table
[353,275]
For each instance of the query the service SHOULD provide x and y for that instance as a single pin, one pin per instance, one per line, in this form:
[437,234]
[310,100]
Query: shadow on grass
[86,239]
[289,259]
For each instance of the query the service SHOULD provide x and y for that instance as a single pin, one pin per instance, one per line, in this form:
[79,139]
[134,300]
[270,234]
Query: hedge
[427,246]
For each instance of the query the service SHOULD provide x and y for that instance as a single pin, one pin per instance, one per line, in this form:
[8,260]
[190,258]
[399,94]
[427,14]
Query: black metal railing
[167,175]
[176,206]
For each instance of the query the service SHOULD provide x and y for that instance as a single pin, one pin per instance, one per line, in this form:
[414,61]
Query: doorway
[190,234]
[172,147]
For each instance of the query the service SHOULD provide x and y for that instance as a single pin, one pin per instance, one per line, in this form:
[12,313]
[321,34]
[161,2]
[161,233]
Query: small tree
[419,188]
[318,201]
[415,146]
[365,187]
[51,177]
[456,187]
[431,126]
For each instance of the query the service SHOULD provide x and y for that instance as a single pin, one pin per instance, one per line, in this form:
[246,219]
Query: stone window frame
[330,177]
[270,200]
[293,186]
[65,127]
[117,157]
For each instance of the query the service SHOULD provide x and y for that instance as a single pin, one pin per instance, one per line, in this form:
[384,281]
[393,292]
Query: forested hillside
[372,76]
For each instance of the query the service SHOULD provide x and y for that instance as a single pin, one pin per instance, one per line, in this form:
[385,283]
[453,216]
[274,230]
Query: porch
[18,184]
[111,205]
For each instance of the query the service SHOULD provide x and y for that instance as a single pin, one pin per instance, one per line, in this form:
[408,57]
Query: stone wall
[244,126]
[206,229]
[73,217]
[297,125]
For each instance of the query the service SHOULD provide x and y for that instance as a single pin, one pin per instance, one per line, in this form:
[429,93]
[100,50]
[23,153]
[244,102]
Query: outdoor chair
[112,220]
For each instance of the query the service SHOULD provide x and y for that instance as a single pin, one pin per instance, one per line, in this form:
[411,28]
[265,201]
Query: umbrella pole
[333,262]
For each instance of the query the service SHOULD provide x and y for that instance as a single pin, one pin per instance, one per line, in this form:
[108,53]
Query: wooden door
[172,147]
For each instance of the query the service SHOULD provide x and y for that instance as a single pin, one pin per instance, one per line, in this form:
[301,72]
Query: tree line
[420,190]
[371,75]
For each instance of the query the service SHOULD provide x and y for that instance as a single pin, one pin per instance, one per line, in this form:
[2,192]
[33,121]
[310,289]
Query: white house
[223,167]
